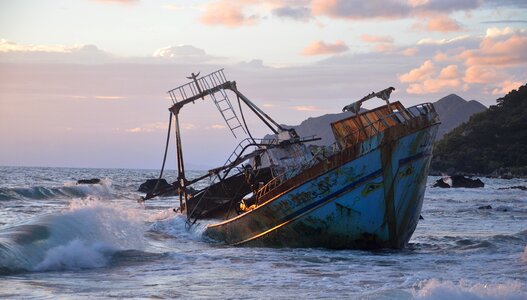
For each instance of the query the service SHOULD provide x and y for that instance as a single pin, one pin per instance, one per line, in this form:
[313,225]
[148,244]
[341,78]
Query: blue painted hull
[371,201]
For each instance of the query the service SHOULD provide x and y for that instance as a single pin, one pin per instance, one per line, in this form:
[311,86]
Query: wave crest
[436,289]
[82,237]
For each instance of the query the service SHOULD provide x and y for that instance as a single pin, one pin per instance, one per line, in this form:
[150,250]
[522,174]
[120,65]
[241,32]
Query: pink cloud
[422,80]
[433,85]
[420,73]
[376,39]
[321,48]
[410,51]
[306,108]
[506,87]
[226,13]
[503,50]
[480,74]
[440,56]
[388,9]
[449,72]
[443,23]
[109,97]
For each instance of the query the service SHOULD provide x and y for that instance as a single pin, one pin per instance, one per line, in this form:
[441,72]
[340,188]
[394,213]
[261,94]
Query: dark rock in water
[149,185]
[89,181]
[459,181]
[421,217]
[516,187]
[441,183]
[465,182]
[485,207]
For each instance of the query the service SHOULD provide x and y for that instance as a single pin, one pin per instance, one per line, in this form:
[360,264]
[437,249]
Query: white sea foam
[176,226]
[436,289]
[77,238]
[75,255]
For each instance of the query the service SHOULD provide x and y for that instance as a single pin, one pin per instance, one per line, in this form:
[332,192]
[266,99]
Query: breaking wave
[436,289]
[69,190]
[85,236]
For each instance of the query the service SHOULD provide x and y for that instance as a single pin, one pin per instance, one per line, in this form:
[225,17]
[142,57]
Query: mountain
[454,110]
[493,142]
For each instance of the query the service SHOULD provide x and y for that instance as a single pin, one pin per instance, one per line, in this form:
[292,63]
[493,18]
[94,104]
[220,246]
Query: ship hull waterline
[371,201]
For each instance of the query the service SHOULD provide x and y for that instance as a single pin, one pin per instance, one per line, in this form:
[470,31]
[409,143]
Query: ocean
[60,240]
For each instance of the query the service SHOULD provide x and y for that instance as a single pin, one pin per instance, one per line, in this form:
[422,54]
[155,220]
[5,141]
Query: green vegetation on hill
[492,142]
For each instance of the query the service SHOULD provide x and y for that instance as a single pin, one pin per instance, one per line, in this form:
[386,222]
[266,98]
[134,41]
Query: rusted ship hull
[367,196]
[365,190]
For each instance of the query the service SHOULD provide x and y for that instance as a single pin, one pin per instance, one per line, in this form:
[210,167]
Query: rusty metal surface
[367,196]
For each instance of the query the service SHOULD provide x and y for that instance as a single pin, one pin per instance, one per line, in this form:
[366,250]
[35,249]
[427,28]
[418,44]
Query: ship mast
[213,85]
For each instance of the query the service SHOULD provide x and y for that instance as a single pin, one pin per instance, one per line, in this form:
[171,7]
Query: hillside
[454,110]
[492,142]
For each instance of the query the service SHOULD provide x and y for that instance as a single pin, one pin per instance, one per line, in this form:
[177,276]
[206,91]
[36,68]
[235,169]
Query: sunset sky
[83,82]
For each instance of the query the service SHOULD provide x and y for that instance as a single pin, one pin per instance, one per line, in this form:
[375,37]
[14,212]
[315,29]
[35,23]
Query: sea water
[62,240]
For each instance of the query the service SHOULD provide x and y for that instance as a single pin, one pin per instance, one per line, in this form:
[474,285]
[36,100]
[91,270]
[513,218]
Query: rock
[459,181]
[485,207]
[149,185]
[441,183]
[89,181]
[465,182]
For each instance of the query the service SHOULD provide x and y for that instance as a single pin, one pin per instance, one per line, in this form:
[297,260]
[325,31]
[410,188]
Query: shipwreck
[363,192]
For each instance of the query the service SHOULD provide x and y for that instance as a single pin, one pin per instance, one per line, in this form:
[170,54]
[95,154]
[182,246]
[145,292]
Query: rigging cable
[164,157]
[243,119]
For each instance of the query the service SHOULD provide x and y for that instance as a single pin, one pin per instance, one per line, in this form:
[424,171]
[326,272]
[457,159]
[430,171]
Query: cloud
[181,51]
[296,13]
[443,24]
[506,87]
[504,47]
[188,126]
[410,51]
[216,127]
[149,127]
[358,9]
[376,38]
[480,74]
[440,56]
[14,52]
[422,80]
[321,48]
[226,13]
[109,97]
[392,9]
[422,72]
[307,108]
[430,41]
[492,63]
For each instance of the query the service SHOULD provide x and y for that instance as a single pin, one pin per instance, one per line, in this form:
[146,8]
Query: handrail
[397,117]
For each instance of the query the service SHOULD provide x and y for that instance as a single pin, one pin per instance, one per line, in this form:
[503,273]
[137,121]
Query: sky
[83,83]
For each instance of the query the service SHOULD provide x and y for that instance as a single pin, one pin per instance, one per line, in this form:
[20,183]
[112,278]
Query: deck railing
[400,115]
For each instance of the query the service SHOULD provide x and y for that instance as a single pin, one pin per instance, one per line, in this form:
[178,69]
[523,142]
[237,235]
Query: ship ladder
[223,103]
